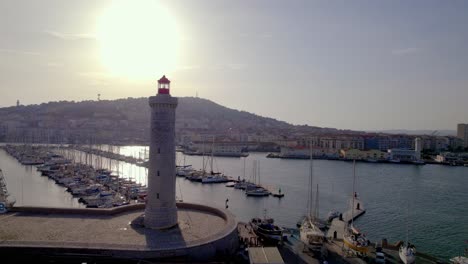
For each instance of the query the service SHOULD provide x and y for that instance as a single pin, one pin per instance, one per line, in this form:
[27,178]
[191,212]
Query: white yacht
[353,239]
[259,191]
[459,260]
[184,170]
[310,233]
[215,178]
[407,253]
[5,197]
[312,236]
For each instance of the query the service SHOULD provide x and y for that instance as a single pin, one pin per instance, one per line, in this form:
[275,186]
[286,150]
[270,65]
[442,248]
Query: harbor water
[430,202]
[29,188]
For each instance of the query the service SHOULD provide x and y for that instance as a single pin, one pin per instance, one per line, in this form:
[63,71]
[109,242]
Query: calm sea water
[431,200]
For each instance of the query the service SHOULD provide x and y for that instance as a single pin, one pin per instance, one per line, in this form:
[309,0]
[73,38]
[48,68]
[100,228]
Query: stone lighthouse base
[163,218]
[202,233]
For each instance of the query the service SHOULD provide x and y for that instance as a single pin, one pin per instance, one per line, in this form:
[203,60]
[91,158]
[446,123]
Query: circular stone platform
[202,232]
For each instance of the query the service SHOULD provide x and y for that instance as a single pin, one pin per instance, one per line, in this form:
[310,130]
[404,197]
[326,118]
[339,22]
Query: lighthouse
[161,209]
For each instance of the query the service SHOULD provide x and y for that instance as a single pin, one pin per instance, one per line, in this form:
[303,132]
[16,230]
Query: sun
[137,39]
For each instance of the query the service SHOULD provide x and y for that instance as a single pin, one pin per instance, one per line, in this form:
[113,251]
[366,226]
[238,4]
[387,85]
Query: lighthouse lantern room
[164,85]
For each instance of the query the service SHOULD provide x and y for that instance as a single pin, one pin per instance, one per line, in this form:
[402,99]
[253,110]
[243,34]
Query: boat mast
[316,209]
[211,161]
[203,156]
[310,192]
[407,224]
[254,172]
[354,192]
[258,169]
[244,167]
[111,150]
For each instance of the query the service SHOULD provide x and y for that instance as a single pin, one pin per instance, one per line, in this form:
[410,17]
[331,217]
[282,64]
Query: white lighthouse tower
[161,210]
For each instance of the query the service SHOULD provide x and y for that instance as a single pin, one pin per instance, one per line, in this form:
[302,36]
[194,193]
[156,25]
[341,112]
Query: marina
[96,188]
[276,132]
[334,179]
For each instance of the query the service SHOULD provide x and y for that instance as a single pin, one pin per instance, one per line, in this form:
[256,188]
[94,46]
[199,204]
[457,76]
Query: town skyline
[202,103]
[317,63]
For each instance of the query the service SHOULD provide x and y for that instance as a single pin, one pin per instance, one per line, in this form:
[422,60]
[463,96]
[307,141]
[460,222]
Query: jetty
[247,235]
[110,154]
[354,213]
[338,225]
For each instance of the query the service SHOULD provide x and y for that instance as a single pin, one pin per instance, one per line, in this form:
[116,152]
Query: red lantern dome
[164,85]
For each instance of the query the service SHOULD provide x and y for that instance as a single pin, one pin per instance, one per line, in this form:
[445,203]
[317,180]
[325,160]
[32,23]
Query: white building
[404,155]
[418,148]
[304,152]
[219,148]
[449,157]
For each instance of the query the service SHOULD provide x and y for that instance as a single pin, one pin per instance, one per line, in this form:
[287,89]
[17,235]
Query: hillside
[440,132]
[127,120]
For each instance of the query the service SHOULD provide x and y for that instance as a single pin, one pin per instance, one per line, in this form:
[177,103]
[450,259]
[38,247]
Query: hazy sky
[345,64]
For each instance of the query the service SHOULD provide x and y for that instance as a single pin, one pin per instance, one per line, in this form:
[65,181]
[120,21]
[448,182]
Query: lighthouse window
[157,195]
[159,150]
[158,173]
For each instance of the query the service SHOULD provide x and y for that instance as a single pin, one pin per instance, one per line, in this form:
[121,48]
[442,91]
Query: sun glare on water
[138,39]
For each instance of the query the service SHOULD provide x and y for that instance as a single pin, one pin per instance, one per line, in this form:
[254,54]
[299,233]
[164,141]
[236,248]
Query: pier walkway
[201,231]
[247,235]
[351,214]
[354,213]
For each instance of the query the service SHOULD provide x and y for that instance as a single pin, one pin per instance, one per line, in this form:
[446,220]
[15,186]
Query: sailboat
[254,189]
[213,177]
[460,259]
[353,238]
[310,233]
[4,195]
[181,170]
[407,251]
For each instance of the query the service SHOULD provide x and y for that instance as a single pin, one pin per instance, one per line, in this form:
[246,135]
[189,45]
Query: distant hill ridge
[441,132]
[129,117]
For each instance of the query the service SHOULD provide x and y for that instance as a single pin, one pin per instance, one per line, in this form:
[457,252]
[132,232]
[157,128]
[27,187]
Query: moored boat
[310,233]
[332,215]
[353,239]
[4,195]
[215,178]
[184,170]
[258,191]
[407,253]
[356,241]
[459,260]
[267,229]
